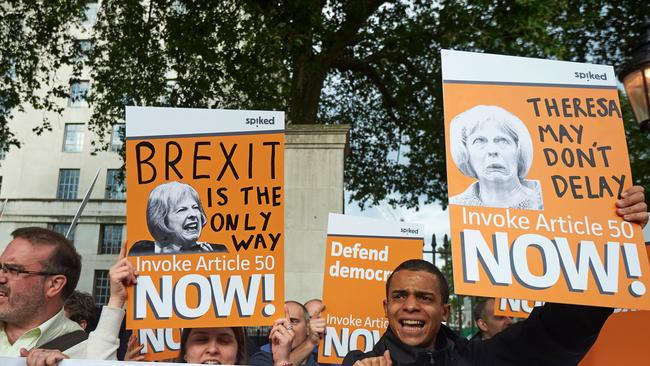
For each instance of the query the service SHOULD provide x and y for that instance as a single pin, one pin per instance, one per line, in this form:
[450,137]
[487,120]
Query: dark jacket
[477,337]
[147,247]
[554,334]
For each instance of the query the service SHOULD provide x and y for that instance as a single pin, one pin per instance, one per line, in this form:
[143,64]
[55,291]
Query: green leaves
[35,43]
[372,64]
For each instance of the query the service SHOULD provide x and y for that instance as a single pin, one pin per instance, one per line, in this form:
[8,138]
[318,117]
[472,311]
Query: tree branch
[359,13]
[375,78]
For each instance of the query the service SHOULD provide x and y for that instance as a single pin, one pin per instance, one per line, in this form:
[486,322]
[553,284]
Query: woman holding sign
[494,146]
[175,218]
[227,345]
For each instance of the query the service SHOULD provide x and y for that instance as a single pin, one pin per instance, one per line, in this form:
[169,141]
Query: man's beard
[21,307]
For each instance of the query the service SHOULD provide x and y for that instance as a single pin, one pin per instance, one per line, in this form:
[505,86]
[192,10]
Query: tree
[35,42]
[638,143]
[371,63]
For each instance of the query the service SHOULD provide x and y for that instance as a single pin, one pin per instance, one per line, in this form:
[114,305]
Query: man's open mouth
[412,323]
[211,362]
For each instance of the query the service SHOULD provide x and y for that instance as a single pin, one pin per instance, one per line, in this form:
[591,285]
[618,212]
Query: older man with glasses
[39,269]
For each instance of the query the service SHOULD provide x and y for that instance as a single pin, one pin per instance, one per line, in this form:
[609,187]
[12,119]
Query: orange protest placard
[537,159]
[361,253]
[514,307]
[205,217]
[160,344]
[622,341]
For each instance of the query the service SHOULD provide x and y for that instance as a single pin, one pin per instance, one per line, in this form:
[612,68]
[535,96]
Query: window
[90,13]
[73,137]
[84,47]
[117,137]
[63,229]
[101,287]
[68,184]
[79,91]
[110,240]
[115,189]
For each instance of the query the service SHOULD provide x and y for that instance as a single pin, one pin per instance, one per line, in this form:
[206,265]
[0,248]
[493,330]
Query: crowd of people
[43,319]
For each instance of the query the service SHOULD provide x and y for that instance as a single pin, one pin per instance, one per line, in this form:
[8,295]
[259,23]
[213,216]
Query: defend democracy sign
[537,158]
[205,213]
[360,256]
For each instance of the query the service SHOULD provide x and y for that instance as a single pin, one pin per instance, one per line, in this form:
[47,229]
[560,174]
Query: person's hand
[316,326]
[281,337]
[122,275]
[632,207]
[42,357]
[133,350]
[384,360]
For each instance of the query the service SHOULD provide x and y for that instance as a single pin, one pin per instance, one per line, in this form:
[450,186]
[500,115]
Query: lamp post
[635,76]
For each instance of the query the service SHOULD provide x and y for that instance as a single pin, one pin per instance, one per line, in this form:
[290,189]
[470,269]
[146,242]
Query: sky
[431,216]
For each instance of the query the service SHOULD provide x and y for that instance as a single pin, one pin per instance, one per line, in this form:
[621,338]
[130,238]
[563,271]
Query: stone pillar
[314,162]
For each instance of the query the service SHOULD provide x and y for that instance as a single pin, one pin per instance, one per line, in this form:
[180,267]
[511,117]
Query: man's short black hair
[64,259]
[422,265]
[80,306]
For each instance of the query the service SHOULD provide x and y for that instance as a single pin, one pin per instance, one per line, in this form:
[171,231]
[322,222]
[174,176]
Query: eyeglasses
[15,270]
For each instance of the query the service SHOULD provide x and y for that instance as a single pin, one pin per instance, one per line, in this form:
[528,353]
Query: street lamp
[635,76]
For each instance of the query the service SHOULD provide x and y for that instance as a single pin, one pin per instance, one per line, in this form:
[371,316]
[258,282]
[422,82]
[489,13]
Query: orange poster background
[602,131]
[509,311]
[263,261]
[347,298]
[623,341]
